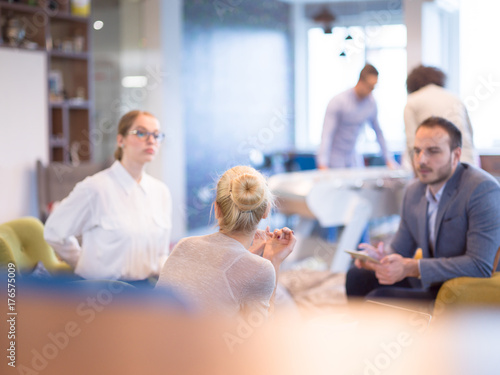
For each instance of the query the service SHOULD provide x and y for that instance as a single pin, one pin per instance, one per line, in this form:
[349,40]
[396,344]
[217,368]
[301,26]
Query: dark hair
[454,133]
[124,126]
[422,76]
[366,71]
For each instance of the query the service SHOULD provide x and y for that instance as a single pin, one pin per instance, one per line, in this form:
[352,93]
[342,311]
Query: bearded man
[451,214]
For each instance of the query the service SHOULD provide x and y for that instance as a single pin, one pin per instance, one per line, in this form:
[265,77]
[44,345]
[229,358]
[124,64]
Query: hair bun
[248,191]
[243,198]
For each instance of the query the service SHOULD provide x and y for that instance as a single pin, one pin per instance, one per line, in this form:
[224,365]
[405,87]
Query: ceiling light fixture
[325,18]
[134,81]
[98,25]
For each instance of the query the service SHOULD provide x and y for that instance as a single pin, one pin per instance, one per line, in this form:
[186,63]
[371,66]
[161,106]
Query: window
[329,74]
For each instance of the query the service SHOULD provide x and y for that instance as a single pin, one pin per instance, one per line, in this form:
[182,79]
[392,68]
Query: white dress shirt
[345,116]
[432,209]
[124,226]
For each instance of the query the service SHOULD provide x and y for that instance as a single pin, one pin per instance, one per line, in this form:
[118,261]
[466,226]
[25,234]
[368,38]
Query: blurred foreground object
[114,330]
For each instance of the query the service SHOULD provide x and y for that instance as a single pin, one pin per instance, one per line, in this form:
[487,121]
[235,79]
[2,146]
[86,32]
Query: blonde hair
[243,197]
[124,126]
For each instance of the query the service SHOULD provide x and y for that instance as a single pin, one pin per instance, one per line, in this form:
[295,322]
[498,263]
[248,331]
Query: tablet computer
[362,256]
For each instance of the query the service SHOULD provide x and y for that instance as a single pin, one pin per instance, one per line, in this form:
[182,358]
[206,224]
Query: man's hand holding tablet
[369,256]
[361,255]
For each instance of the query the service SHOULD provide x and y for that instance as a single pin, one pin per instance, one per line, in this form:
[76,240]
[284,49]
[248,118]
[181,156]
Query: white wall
[106,67]
[151,45]
[413,21]
[479,69]
[173,158]
[23,129]
[300,28]
[440,40]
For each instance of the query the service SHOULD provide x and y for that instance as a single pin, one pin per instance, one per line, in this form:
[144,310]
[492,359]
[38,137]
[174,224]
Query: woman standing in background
[427,97]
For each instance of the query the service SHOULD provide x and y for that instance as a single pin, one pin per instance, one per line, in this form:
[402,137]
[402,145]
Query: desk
[348,197]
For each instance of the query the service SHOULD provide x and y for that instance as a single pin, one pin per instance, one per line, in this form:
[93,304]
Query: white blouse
[124,226]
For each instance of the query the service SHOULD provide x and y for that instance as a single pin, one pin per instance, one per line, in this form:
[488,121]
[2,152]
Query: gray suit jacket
[467,227]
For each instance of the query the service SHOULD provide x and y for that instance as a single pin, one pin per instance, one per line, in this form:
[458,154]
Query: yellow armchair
[22,243]
[469,291]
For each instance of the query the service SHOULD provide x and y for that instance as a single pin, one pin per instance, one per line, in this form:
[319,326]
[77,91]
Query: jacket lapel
[423,241]
[449,191]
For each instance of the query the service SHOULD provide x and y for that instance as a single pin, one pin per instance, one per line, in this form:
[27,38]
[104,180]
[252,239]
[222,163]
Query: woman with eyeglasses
[234,270]
[122,214]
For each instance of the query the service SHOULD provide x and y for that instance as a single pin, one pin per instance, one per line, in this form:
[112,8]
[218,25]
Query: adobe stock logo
[392,350]
[246,326]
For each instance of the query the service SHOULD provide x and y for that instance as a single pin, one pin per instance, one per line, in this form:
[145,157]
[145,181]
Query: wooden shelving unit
[51,27]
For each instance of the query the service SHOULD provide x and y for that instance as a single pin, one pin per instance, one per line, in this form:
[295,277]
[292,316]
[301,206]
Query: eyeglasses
[144,135]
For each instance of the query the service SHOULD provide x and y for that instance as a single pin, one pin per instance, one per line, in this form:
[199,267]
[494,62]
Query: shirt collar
[145,182]
[356,97]
[126,181]
[230,239]
[431,198]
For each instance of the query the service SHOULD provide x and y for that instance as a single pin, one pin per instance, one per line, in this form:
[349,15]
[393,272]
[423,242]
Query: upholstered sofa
[22,243]
[469,291]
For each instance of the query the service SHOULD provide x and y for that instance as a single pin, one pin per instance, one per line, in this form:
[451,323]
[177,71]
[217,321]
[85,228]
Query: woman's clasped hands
[274,246]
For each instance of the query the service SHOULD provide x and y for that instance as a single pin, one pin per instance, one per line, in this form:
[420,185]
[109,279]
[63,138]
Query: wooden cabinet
[49,25]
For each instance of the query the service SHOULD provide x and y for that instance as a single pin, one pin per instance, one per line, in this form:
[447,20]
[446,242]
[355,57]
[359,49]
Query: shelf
[69,55]
[57,154]
[64,39]
[75,77]
[57,14]
[19,7]
[79,105]
[38,49]
[70,105]
[30,17]
[58,142]
[70,17]
[57,104]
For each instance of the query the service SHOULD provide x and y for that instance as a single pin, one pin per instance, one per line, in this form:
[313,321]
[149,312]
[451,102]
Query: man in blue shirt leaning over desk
[345,115]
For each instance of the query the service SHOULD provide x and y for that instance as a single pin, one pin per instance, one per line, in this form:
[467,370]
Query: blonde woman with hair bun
[236,268]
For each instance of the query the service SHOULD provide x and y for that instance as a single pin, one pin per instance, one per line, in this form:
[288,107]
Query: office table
[339,197]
